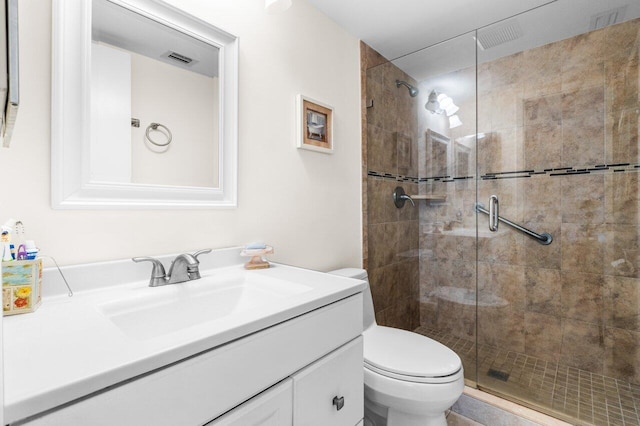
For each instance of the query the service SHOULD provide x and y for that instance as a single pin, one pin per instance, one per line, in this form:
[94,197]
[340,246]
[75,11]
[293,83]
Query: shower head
[413,91]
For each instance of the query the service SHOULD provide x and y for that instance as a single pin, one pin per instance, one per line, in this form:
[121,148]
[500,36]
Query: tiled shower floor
[577,396]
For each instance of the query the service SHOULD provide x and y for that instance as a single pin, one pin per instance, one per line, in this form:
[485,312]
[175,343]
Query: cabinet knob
[338,402]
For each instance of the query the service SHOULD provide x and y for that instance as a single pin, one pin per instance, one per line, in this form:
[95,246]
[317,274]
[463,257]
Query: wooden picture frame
[315,125]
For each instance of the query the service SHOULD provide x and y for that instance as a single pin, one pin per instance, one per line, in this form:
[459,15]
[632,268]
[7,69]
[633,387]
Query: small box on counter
[21,286]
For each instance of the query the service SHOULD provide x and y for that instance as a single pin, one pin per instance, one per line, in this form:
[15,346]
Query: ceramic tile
[383,244]
[621,357]
[622,129]
[543,336]
[582,199]
[544,256]
[583,297]
[543,291]
[622,251]
[543,146]
[540,203]
[622,198]
[382,150]
[583,248]
[582,345]
[622,302]
[583,141]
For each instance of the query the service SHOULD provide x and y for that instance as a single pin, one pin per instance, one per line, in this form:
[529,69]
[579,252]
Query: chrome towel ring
[166,132]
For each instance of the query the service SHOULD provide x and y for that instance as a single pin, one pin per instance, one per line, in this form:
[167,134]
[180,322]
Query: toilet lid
[404,353]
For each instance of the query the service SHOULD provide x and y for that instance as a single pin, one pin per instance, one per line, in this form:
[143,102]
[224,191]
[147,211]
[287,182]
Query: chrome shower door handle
[494,213]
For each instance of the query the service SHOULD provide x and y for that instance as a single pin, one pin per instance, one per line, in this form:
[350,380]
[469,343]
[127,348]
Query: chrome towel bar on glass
[545,238]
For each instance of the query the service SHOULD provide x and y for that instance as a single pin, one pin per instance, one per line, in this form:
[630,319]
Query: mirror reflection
[154,102]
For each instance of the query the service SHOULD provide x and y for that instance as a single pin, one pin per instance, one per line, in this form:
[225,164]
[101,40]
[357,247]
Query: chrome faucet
[185,267]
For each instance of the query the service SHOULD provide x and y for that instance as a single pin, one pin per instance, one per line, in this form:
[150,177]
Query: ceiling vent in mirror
[185,60]
[606,18]
[499,34]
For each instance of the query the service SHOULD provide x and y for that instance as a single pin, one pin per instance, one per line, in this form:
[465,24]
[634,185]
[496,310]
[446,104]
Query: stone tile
[507,107]
[622,302]
[501,151]
[622,357]
[543,146]
[408,240]
[582,345]
[429,314]
[583,297]
[622,253]
[371,57]
[407,279]
[383,289]
[583,140]
[543,336]
[456,272]
[382,155]
[380,202]
[582,199]
[501,325]
[407,155]
[541,203]
[506,71]
[457,319]
[544,256]
[622,129]
[542,110]
[583,248]
[621,84]
[542,71]
[622,198]
[455,419]
[583,103]
[543,291]
[582,61]
[506,247]
[437,154]
[622,41]
[383,244]
[451,247]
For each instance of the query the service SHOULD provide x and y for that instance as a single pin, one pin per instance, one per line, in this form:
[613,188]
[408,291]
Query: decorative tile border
[517,174]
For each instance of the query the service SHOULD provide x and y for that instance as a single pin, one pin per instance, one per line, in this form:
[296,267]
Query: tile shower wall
[390,158]
[565,117]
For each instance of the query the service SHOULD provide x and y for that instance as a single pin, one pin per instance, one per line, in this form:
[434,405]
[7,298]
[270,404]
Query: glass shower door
[446,114]
[558,323]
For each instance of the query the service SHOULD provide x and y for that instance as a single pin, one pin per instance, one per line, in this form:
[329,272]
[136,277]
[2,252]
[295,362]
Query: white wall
[187,103]
[304,203]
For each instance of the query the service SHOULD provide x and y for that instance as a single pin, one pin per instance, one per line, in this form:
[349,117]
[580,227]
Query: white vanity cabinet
[273,407]
[289,373]
[327,392]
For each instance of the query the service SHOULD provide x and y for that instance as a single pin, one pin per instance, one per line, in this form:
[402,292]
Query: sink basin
[148,312]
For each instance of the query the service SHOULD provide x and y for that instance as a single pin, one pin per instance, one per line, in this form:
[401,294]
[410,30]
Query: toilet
[409,379]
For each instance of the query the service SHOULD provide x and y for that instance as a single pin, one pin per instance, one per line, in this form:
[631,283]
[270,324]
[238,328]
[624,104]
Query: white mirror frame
[71,187]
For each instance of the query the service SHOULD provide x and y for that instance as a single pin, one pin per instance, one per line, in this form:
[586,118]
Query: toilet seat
[412,358]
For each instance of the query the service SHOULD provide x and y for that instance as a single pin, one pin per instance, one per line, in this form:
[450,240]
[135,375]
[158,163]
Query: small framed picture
[315,125]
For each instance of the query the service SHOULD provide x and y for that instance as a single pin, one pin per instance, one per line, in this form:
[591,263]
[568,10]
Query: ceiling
[126,29]
[398,28]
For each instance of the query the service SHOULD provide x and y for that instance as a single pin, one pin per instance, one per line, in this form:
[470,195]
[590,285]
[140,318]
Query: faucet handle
[199,252]
[158,274]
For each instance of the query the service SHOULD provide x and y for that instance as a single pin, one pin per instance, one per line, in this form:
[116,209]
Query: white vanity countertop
[70,348]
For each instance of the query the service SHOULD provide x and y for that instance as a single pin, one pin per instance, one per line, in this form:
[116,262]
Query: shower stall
[541,130]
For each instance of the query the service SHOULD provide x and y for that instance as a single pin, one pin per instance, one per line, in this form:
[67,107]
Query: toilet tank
[368,314]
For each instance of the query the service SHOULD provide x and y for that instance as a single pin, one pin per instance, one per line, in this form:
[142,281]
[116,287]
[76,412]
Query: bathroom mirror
[144,107]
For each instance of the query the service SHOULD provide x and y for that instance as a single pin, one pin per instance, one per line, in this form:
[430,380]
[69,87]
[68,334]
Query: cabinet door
[331,390]
[273,407]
